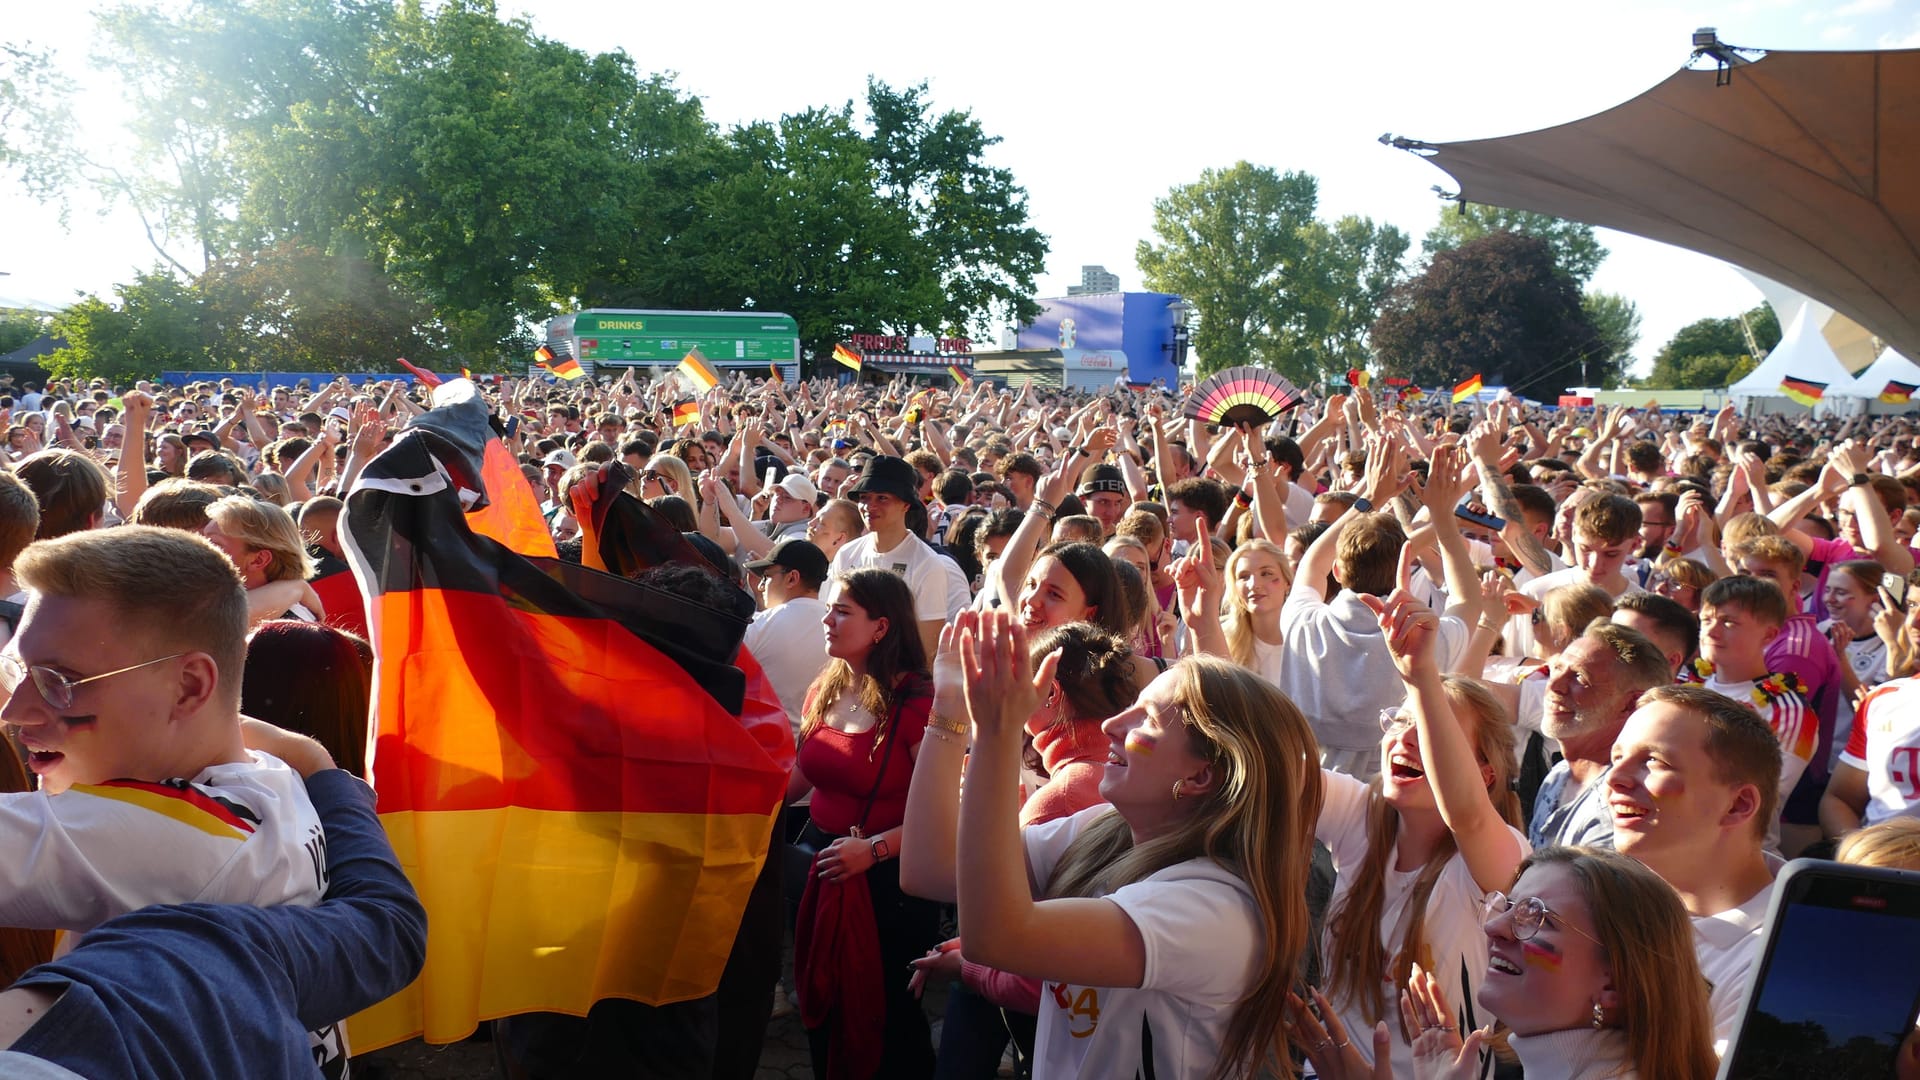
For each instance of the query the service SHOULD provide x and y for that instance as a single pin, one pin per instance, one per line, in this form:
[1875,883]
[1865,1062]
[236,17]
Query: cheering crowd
[1383,738]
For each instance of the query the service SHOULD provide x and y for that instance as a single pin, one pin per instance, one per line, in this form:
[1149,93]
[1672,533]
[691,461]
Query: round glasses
[1528,916]
[1395,721]
[56,688]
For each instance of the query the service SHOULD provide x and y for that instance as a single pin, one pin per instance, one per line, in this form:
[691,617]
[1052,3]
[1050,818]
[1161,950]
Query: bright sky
[1103,108]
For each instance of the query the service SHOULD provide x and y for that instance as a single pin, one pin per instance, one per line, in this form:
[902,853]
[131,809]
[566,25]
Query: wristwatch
[881,851]
[1363,504]
[1858,479]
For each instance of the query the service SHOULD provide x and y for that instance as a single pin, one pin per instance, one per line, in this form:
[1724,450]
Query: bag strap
[1146,1049]
[893,722]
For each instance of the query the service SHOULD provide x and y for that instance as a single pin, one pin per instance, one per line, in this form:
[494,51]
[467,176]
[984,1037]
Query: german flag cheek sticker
[1139,742]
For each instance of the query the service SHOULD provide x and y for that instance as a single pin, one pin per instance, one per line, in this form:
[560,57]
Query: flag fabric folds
[686,412]
[774,372]
[1805,391]
[696,370]
[427,378]
[1898,393]
[1466,390]
[560,754]
[847,356]
[565,367]
[960,378]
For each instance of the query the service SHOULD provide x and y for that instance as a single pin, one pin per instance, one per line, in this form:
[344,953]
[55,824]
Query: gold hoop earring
[1177,784]
[1599,1018]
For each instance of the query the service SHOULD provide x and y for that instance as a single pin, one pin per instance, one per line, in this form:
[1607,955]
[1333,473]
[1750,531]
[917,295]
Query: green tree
[1617,320]
[1575,248]
[296,309]
[18,329]
[1498,306]
[158,325]
[1271,284]
[1708,353]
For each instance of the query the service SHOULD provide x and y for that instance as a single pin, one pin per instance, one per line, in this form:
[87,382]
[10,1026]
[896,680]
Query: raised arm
[1516,534]
[929,844]
[1458,780]
[1201,589]
[130,472]
[1447,483]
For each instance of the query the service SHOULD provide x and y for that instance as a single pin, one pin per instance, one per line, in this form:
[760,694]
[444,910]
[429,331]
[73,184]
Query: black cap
[1095,479]
[889,476]
[795,554]
[203,434]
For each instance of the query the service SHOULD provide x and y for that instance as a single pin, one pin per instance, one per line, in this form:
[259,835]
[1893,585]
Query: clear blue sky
[1104,108]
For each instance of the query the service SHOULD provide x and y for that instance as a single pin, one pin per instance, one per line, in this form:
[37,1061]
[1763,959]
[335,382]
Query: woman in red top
[861,727]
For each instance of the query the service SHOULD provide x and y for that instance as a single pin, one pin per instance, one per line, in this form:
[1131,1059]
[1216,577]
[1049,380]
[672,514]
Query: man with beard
[1591,691]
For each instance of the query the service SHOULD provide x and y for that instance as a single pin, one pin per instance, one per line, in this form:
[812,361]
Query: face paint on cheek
[1540,956]
[1139,742]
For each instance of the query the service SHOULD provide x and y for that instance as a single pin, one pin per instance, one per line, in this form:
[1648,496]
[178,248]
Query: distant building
[1094,279]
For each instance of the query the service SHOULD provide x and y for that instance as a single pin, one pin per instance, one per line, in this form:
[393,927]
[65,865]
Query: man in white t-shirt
[1606,529]
[884,490]
[788,637]
[1694,782]
[1878,776]
[1337,667]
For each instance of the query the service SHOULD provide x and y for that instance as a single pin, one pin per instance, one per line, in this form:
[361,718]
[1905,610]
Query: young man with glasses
[123,686]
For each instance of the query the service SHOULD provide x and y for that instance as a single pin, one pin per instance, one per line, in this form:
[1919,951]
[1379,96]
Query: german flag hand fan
[1241,395]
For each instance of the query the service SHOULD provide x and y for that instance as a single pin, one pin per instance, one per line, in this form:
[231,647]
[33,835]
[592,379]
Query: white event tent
[1890,367]
[1802,354]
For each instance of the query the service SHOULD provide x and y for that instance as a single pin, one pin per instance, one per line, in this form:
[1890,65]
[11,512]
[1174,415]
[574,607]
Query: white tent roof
[1891,365]
[1803,354]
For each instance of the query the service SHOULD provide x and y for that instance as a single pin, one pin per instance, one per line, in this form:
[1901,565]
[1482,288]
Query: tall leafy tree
[1576,249]
[1499,306]
[1714,352]
[158,325]
[1617,320]
[1271,284]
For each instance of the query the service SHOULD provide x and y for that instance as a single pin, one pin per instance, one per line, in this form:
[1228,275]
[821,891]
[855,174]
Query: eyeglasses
[56,688]
[1528,916]
[1395,721]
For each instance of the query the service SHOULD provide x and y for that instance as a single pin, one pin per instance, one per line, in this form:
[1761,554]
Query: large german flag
[1898,393]
[561,756]
[1805,391]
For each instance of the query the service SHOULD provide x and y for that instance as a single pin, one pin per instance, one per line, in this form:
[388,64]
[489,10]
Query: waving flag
[579,771]
[1805,391]
[696,370]
[566,367]
[960,378]
[848,357]
[1466,390]
[774,373]
[427,378]
[686,412]
[1898,393]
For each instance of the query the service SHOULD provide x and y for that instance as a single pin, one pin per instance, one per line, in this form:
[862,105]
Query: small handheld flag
[775,369]
[566,367]
[1805,391]
[848,357]
[427,378]
[1466,390]
[466,373]
[698,372]
[1898,393]
[1413,393]
[1358,377]
[686,412]
[960,378]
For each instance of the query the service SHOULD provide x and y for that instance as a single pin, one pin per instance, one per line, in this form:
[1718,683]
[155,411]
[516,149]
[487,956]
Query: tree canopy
[499,177]
[1498,306]
[1576,249]
[1713,352]
[1271,284]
